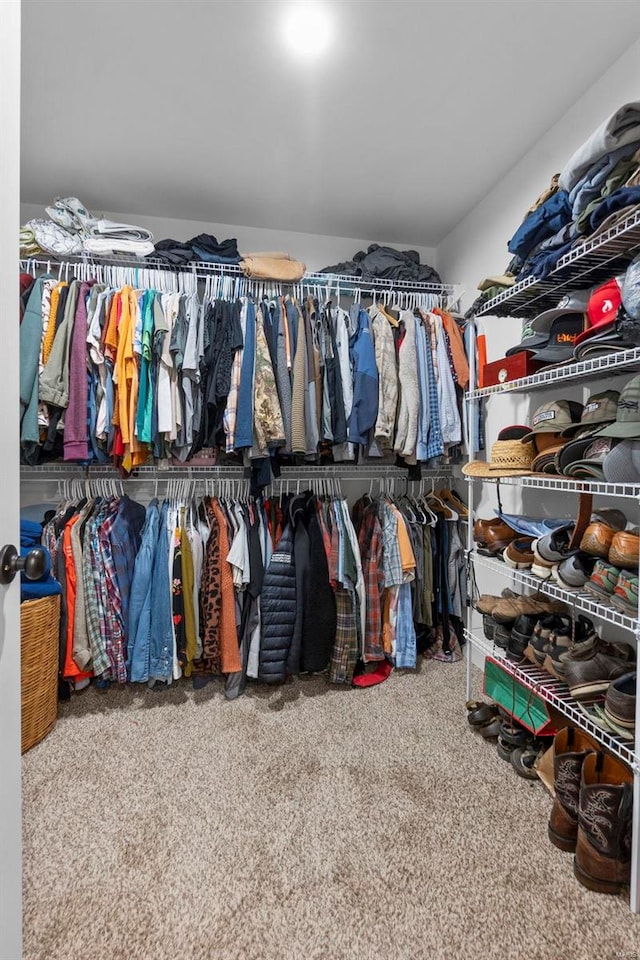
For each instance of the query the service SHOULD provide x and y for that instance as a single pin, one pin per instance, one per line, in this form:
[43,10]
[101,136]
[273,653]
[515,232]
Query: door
[10,813]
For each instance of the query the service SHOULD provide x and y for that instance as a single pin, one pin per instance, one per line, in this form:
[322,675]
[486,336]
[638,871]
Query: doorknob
[34,564]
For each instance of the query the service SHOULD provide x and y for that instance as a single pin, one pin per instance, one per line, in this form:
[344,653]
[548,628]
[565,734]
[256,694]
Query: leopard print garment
[211,601]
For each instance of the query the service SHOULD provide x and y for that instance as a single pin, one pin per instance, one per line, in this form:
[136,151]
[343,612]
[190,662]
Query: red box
[509,368]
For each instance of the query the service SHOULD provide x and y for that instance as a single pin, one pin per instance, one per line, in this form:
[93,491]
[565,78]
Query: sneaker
[591,673]
[583,642]
[603,580]
[554,547]
[539,645]
[625,594]
[574,572]
[620,704]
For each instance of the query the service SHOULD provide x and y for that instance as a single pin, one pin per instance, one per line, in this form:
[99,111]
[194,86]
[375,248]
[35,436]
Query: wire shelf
[592,262]
[624,361]
[203,270]
[557,695]
[61,471]
[576,599]
[629,491]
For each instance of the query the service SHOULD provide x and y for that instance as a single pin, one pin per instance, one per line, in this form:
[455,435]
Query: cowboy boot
[570,749]
[603,851]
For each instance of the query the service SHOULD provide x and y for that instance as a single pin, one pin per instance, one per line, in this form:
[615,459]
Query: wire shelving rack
[557,695]
[592,262]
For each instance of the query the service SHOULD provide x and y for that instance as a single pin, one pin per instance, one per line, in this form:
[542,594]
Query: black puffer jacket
[278,610]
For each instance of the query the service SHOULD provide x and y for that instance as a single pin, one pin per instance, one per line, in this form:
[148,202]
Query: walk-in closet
[320,541]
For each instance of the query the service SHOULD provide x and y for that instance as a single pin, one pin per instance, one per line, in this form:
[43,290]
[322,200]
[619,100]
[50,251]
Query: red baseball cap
[602,309]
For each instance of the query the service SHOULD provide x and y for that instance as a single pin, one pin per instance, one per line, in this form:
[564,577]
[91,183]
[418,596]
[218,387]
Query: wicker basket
[39,627]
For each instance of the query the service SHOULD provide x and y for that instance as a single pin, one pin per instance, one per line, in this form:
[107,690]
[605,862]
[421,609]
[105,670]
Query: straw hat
[510,457]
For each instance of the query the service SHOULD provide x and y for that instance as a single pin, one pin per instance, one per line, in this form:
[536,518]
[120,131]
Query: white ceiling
[195,109]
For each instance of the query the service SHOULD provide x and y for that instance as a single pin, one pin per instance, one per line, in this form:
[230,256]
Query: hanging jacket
[301,562]
[319,626]
[30,339]
[364,411]
[267,415]
[54,379]
[278,610]
[407,429]
[387,365]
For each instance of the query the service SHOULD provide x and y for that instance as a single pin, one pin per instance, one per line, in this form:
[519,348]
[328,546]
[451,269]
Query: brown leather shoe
[596,540]
[589,671]
[624,551]
[511,608]
[518,554]
[570,748]
[603,850]
[493,537]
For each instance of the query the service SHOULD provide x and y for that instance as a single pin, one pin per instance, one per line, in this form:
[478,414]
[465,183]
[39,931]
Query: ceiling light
[307,28]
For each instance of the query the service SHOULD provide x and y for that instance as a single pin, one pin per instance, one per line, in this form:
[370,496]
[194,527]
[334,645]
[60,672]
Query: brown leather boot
[570,748]
[603,851]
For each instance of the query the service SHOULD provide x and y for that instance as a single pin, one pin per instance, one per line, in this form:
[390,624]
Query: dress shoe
[597,539]
[624,551]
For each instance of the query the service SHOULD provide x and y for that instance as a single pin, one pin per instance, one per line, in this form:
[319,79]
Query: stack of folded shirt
[73,230]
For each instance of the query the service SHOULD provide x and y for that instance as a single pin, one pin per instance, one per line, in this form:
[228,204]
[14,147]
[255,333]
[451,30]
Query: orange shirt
[458,355]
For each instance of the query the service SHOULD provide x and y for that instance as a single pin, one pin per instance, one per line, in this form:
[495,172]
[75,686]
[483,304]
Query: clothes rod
[203,271]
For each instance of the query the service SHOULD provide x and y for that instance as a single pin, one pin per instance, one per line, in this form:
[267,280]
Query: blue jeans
[140,599]
[161,640]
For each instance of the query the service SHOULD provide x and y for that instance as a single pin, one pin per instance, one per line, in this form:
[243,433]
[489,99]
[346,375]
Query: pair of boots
[592,811]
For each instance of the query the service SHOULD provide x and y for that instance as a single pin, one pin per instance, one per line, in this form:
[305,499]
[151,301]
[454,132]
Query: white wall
[477,247]
[313,249]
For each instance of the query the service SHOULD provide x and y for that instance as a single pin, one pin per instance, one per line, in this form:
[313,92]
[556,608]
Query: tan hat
[510,457]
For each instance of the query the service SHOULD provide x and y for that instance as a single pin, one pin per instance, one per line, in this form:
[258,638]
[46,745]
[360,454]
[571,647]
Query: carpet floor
[298,823]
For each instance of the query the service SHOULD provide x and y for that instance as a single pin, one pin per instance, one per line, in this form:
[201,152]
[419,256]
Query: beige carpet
[301,823]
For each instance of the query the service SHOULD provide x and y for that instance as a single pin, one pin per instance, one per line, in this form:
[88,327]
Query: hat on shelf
[602,310]
[562,337]
[589,467]
[622,465]
[536,333]
[612,341]
[545,462]
[599,409]
[510,457]
[627,422]
[572,451]
[554,417]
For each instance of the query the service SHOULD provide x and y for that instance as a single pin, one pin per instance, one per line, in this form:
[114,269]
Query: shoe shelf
[623,361]
[594,261]
[557,695]
[578,600]
[543,481]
